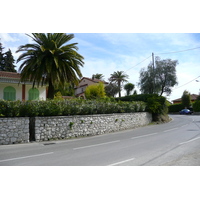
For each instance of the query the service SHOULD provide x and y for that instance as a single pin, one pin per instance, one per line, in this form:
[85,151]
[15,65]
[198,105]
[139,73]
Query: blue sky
[105,53]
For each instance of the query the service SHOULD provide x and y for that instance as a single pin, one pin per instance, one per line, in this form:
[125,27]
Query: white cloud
[6,37]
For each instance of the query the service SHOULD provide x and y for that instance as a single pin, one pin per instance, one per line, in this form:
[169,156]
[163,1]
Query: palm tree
[129,87]
[98,76]
[50,60]
[118,77]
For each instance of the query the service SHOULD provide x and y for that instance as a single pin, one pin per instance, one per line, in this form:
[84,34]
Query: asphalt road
[174,143]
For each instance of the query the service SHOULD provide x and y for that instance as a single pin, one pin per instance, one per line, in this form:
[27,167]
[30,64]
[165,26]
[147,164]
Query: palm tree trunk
[51,91]
[119,85]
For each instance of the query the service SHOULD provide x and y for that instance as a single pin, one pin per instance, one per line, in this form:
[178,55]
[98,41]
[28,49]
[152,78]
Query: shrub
[68,107]
[95,91]
[196,106]
[175,107]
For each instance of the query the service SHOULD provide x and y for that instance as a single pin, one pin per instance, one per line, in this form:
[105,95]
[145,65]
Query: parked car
[186,112]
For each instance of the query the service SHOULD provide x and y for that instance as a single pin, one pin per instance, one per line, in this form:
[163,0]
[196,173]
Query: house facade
[84,83]
[192,96]
[12,89]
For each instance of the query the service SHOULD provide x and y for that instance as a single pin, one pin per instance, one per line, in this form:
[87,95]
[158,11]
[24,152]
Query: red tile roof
[192,96]
[9,75]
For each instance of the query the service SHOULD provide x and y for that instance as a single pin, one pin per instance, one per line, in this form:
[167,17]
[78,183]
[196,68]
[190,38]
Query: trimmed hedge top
[67,107]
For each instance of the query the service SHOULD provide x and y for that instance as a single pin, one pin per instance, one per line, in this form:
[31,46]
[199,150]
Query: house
[192,96]
[84,83]
[12,89]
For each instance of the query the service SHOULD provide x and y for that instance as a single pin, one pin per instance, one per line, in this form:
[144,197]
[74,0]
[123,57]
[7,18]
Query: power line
[177,51]
[138,63]
[186,83]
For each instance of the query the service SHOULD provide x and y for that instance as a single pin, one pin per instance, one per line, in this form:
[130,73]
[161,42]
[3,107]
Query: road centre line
[189,141]
[94,145]
[144,136]
[117,163]
[11,159]
[170,129]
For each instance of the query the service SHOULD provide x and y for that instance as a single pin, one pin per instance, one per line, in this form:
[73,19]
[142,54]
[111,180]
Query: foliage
[129,87]
[66,90]
[111,89]
[95,91]
[50,60]
[6,60]
[160,79]
[118,77]
[67,107]
[98,76]
[155,104]
[196,106]
[58,96]
[175,107]
[186,99]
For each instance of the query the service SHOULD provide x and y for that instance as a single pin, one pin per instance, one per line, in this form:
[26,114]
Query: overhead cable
[177,51]
[186,83]
[138,63]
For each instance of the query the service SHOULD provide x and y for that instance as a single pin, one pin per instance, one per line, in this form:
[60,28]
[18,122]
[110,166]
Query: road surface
[174,143]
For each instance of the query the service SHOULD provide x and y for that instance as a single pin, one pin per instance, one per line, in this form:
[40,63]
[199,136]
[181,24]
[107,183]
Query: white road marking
[144,136]
[170,129]
[117,163]
[26,157]
[189,141]
[94,145]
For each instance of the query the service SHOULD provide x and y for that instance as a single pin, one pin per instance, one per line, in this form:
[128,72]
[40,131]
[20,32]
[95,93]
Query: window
[33,94]
[9,93]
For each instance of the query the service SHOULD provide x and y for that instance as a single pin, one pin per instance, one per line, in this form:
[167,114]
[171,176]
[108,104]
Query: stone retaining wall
[61,127]
[14,130]
[21,129]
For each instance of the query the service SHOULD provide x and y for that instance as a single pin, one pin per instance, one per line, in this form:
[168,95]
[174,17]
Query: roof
[94,80]
[14,75]
[192,96]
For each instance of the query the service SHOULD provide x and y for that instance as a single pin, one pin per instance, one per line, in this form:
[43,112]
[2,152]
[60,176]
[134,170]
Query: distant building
[12,89]
[84,83]
[192,96]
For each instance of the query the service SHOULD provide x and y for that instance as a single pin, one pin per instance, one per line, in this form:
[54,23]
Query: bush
[175,107]
[155,104]
[67,107]
[196,106]
[95,91]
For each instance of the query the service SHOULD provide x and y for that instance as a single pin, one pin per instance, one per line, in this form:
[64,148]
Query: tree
[129,87]
[111,89]
[50,60]
[186,99]
[160,79]
[118,77]
[1,57]
[98,76]
[66,90]
[95,91]
[9,62]
[6,60]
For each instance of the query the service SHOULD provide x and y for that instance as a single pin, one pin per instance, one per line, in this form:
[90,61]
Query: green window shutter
[33,94]
[9,93]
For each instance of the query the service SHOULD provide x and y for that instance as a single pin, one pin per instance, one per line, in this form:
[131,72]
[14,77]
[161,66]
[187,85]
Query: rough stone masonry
[14,130]
[63,127]
[22,129]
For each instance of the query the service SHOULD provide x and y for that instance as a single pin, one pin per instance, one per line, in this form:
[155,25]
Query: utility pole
[153,73]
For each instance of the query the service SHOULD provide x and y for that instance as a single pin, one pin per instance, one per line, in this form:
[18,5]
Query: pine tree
[9,62]
[1,57]
[6,60]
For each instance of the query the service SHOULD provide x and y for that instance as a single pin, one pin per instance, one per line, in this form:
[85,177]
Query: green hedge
[67,107]
[155,104]
[175,107]
[196,106]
